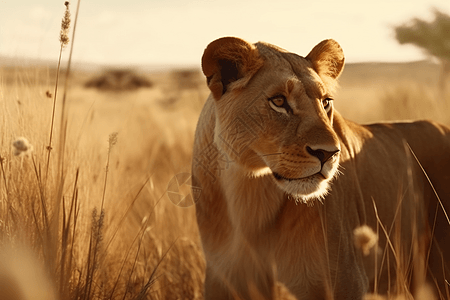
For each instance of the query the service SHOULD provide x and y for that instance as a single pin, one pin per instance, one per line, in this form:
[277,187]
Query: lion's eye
[279,103]
[326,103]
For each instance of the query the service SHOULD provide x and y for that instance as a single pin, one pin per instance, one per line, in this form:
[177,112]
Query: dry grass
[392,91]
[98,224]
[140,245]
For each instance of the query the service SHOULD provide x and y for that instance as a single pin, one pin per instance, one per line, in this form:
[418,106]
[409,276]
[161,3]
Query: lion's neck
[352,136]
[253,202]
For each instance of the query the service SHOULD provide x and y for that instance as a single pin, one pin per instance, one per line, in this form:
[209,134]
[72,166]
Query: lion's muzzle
[308,175]
[322,155]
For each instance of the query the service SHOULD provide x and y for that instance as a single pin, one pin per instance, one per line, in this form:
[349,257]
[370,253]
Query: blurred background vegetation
[432,37]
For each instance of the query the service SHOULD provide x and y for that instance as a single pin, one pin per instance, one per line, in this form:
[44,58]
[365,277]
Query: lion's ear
[229,60]
[327,59]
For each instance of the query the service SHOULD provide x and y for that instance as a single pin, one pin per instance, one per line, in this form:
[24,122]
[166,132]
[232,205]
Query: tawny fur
[256,167]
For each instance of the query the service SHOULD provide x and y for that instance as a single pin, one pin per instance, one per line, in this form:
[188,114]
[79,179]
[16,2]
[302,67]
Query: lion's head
[286,130]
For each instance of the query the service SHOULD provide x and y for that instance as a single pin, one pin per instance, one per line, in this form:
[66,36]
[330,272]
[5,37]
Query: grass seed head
[21,146]
[65,25]
[365,238]
[112,140]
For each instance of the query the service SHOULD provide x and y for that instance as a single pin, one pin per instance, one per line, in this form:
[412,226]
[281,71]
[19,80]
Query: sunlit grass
[100,225]
[139,243]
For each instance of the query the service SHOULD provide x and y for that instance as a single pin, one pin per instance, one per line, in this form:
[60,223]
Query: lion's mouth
[281,177]
[303,189]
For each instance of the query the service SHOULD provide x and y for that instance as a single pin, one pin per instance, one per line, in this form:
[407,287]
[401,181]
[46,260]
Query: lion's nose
[322,155]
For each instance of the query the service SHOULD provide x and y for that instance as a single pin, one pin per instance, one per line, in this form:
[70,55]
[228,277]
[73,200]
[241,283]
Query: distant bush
[119,80]
[187,78]
[432,37]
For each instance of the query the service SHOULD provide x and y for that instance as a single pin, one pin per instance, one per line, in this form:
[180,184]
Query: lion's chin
[306,190]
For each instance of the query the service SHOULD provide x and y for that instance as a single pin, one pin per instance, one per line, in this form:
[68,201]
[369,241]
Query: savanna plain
[85,211]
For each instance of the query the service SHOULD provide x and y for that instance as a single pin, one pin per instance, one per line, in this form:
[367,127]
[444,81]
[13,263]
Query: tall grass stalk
[69,225]
[63,130]
[2,167]
[111,142]
[431,184]
[151,279]
[95,242]
[130,206]
[64,40]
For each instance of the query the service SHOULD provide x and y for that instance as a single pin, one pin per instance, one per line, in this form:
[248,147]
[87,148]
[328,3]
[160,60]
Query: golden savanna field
[87,168]
[139,245]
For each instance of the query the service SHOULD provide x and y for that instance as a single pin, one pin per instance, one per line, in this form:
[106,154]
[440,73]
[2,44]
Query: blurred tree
[433,37]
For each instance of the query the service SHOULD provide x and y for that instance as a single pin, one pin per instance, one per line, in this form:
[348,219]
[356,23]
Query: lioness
[285,180]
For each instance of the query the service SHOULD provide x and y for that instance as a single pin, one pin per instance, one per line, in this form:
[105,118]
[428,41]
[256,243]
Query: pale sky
[138,32]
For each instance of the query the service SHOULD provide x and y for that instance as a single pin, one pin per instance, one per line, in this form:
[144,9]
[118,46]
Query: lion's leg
[215,287]
[242,279]
[352,282]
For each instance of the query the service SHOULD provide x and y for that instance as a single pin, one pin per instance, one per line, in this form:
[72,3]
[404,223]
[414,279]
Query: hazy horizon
[175,32]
